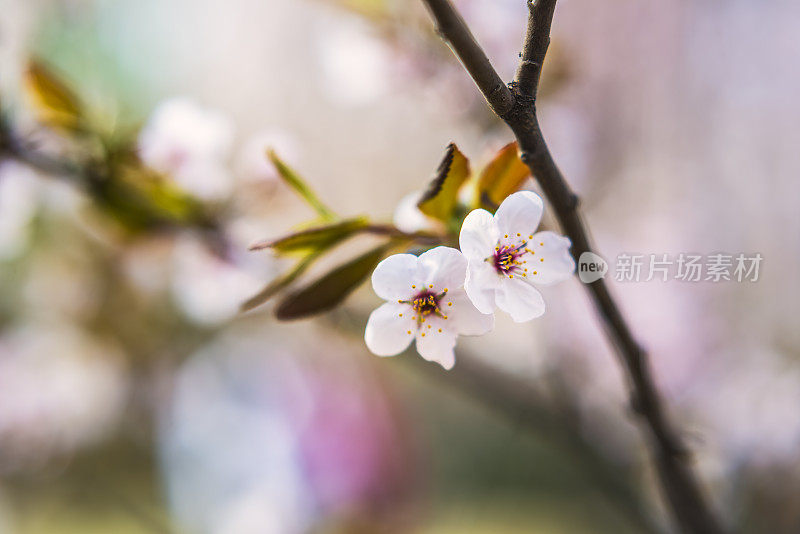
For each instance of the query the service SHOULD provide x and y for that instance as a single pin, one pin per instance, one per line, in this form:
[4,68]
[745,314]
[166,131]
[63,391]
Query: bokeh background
[135,398]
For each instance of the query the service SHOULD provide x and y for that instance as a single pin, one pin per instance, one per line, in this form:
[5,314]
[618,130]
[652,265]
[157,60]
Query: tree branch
[537,40]
[678,483]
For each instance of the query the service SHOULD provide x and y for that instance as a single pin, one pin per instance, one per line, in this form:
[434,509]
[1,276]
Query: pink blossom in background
[289,435]
[60,391]
[191,144]
[19,199]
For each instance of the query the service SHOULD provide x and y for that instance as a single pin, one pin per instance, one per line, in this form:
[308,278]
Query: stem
[12,146]
[679,484]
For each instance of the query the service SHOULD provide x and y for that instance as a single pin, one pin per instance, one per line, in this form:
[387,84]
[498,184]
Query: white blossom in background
[750,409]
[426,303]
[19,199]
[269,436]
[228,450]
[252,163]
[408,217]
[191,144]
[355,63]
[506,258]
[207,288]
[59,390]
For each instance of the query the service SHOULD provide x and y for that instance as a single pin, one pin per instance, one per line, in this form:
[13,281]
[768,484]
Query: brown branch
[537,40]
[679,484]
[12,146]
[389,230]
[86,175]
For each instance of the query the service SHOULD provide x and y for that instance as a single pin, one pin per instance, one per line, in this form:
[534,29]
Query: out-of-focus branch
[678,482]
[530,410]
[521,405]
[92,178]
[389,230]
[12,146]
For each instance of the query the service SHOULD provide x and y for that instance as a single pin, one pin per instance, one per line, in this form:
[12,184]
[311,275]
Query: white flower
[506,257]
[427,302]
[355,63]
[408,217]
[19,198]
[190,143]
[206,288]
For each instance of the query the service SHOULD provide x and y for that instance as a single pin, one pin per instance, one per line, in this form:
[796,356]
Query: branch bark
[680,486]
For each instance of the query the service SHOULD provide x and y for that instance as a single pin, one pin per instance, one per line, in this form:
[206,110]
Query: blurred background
[134,397]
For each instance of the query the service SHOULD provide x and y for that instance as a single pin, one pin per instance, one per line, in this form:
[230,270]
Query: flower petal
[519,213]
[437,346]
[551,261]
[393,277]
[407,216]
[482,282]
[478,235]
[519,299]
[387,333]
[443,268]
[464,317]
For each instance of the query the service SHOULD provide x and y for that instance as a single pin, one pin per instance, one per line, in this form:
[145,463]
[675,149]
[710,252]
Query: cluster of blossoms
[443,293]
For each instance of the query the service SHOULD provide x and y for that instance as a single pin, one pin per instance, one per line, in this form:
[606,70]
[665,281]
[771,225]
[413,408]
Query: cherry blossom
[190,143]
[408,217]
[19,192]
[427,302]
[506,258]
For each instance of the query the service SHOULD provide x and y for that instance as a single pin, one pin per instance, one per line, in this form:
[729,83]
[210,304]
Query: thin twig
[84,175]
[537,40]
[11,145]
[679,484]
[392,231]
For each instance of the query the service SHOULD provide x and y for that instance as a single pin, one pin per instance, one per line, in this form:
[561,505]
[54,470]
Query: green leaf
[317,238]
[301,188]
[141,199]
[441,198]
[279,283]
[330,290]
[54,103]
[504,175]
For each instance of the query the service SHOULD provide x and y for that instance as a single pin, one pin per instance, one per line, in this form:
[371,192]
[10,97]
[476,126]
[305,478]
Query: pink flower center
[507,258]
[426,303]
